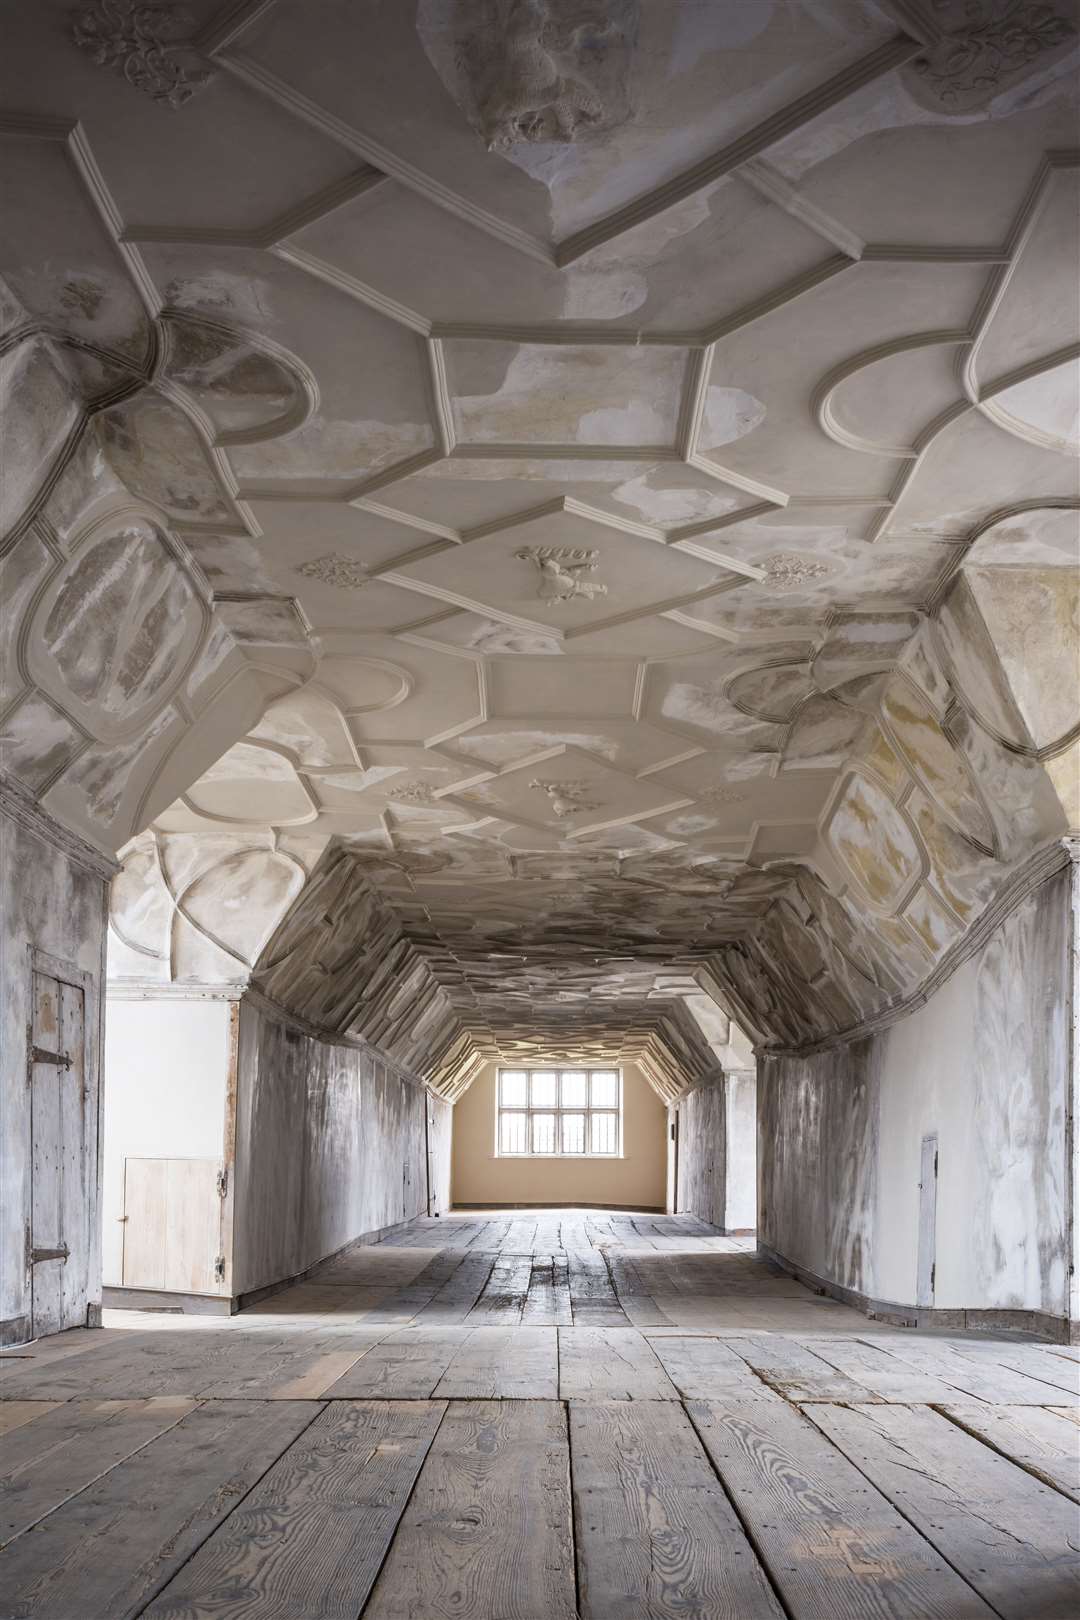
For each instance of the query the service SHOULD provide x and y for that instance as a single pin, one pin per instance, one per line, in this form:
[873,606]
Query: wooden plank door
[193,1225]
[673,1157]
[59,1207]
[172,1224]
[928,1178]
[429,1145]
[145,1190]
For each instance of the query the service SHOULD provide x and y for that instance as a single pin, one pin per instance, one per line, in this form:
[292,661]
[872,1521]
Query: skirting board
[14,1330]
[1055,1329]
[164,1299]
[627,1209]
[152,1299]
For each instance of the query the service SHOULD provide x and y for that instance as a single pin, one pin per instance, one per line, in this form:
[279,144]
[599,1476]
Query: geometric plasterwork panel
[117,630]
[935,762]
[874,842]
[569,794]
[605,509]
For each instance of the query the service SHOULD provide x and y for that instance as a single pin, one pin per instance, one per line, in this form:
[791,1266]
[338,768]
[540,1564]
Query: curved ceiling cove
[527,521]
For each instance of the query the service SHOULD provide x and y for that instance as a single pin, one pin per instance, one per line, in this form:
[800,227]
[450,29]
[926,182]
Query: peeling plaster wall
[740,1171]
[166,1081]
[818,1161]
[440,1153]
[984,1064]
[701,1153]
[49,902]
[330,1147]
[637,1180]
[717,1152]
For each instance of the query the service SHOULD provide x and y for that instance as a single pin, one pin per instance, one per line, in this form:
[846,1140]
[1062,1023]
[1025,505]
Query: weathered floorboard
[835,1547]
[503,1298]
[13,1414]
[1040,1439]
[1012,1538]
[498,1363]
[977,1375]
[610,1364]
[656,1536]
[797,1373]
[307,1543]
[709,1369]
[883,1374]
[105,1553]
[405,1367]
[486,1533]
[1034,1360]
[47,1462]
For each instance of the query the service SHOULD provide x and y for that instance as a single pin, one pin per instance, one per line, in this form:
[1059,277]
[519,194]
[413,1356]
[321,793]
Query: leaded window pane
[575,1088]
[513,1088]
[605,1089]
[544,1089]
[543,1133]
[605,1133]
[573,1133]
[514,1133]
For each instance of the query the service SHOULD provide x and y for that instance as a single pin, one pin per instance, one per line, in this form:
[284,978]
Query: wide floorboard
[538,1416]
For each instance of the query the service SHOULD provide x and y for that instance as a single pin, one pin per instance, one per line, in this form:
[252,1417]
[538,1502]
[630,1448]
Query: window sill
[560,1158]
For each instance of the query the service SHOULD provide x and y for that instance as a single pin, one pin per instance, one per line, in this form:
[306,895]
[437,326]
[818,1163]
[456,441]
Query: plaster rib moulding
[383,359]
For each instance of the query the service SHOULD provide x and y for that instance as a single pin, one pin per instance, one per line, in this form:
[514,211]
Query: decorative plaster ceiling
[524,442]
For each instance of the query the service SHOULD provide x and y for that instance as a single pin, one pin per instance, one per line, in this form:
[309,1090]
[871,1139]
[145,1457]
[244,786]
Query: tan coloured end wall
[636,1180]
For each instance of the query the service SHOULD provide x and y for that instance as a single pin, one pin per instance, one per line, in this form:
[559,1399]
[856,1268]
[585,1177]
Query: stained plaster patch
[657,504]
[502,748]
[730,414]
[339,449]
[568,394]
[244,298]
[490,637]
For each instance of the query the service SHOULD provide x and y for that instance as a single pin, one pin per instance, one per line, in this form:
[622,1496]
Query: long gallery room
[540,809]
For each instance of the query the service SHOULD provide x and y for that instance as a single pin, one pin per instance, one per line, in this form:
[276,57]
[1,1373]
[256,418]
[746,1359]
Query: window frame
[558,1109]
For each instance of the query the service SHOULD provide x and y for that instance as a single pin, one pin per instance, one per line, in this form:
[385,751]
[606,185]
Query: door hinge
[933,1276]
[219,1268]
[49,1254]
[222,1183]
[38,1054]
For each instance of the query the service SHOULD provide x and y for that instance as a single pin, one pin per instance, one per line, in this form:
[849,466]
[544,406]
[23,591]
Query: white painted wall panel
[166,1071]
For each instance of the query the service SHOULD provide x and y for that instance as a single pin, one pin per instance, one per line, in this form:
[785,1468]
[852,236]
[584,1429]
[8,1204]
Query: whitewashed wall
[740,1167]
[985,1065]
[166,1074]
[330,1147]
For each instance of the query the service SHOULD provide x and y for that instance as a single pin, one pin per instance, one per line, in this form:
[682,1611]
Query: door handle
[61,1253]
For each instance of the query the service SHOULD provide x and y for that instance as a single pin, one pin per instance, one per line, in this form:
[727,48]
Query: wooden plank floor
[539,1416]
